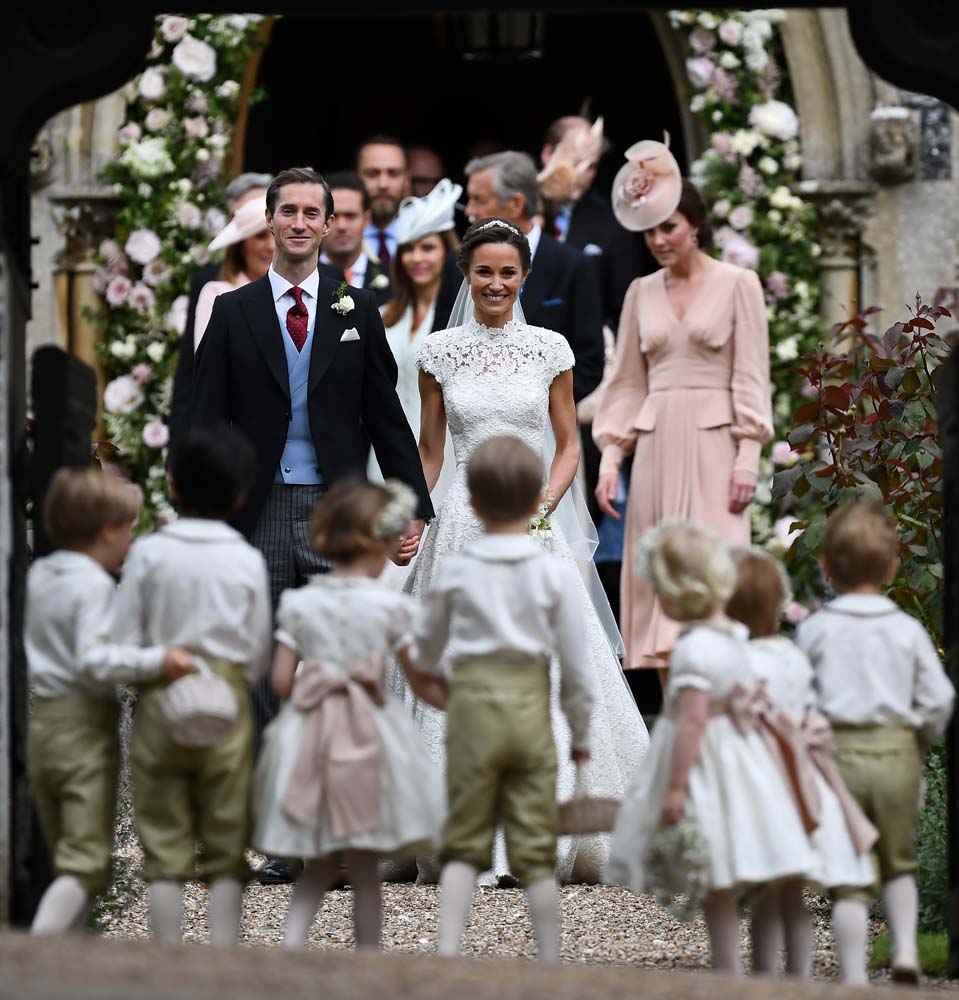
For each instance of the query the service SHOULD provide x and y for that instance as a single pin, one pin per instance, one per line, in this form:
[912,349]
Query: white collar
[504,548]
[869,605]
[532,238]
[69,560]
[201,529]
[280,286]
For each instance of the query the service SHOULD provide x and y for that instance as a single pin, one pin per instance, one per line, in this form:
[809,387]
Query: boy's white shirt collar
[862,604]
[199,529]
[506,548]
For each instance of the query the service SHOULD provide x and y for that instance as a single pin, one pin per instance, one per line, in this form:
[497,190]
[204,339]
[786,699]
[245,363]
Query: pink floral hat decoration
[248,220]
[648,187]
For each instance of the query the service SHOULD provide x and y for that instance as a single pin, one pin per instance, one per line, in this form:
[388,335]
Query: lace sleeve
[431,358]
[557,354]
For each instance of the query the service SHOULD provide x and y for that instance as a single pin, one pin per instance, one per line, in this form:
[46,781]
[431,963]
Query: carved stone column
[842,210]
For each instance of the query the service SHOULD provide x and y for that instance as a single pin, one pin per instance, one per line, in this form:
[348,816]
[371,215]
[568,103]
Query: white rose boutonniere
[380,282]
[344,303]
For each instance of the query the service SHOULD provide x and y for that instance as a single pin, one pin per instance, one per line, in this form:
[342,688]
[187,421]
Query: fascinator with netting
[418,217]
[648,188]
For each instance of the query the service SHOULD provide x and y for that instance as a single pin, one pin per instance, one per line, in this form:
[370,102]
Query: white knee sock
[798,931]
[62,906]
[766,931]
[166,911]
[543,898]
[456,894]
[316,878]
[722,922]
[850,919]
[367,898]
[225,907]
[900,899]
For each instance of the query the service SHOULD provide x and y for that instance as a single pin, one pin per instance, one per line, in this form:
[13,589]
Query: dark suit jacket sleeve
[384,419]
[585,332]
[211,396]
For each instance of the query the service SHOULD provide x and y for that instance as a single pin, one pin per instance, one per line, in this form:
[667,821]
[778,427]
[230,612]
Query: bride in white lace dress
[496,375]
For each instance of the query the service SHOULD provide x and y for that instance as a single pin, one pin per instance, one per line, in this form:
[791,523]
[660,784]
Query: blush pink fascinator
[563,179]
[648,187]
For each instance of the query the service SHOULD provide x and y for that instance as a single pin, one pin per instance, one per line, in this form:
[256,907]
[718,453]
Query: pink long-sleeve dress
[691,398]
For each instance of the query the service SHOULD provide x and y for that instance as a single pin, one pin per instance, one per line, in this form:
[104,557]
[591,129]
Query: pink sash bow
[338,766]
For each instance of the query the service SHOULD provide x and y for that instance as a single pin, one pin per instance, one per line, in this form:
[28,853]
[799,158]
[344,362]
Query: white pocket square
[350,334]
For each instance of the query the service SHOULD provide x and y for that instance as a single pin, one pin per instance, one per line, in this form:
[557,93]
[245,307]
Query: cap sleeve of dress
[432,357]
[557,354]
[690,663]
[287,621]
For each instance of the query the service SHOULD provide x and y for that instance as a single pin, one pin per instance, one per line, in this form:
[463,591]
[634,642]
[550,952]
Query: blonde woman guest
[249,252]
[690,391]
[425,238]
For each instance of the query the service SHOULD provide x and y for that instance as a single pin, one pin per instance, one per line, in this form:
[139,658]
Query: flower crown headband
[398,513]
[496,224]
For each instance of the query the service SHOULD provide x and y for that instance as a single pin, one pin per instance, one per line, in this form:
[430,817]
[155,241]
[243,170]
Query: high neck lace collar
[473,326]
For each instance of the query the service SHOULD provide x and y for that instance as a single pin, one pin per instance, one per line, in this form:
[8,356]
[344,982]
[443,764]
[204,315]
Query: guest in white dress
[249,253]
[343,767]
[425,237]
[843,835]
[707,762]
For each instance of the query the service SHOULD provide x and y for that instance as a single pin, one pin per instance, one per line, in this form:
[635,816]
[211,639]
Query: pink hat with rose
[648,187]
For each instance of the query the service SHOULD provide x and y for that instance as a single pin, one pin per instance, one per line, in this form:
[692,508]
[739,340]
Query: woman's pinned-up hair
[493,231]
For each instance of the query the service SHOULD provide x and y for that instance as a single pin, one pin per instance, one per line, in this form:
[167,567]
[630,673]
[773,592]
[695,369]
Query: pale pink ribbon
[822,746]
[338,767]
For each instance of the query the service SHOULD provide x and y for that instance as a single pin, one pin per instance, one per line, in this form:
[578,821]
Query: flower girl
[842,835]
[343,767]
[707,764]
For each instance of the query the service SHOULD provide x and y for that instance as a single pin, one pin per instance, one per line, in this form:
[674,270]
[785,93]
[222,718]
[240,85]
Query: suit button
[287,469]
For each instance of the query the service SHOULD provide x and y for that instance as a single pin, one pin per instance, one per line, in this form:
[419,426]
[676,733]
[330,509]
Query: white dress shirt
[501,596]
[198,584]
[533,238]
[70,630]
[284,301]
[876,666]
[357,269]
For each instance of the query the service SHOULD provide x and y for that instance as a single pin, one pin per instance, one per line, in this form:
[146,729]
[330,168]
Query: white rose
[144,190]
[745,141]
[729,60]
[156,351]
[768,165]
[717,116]
[757,60]
[380,282]
[721,208]
[774,216]
[174,28]
[202,154]
[792,161]
[188,215]
[148,158]
[708,21]
[731,31]
[195,59]
[781,197]
[184,185]
[344,305]
[175,319]
[788,349]
[196,128]
[157,119]
[700,70]
[775,119]
[698,103]
[142,245]
[214,220]
[741,217]
[801,288]
[228,90]
[122,351]
[218,142]
[130,132]
[122,395]
[152,86]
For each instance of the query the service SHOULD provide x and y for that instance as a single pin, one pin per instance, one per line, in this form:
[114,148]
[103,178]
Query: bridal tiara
[495,223]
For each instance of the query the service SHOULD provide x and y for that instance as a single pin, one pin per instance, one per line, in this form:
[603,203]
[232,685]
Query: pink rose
[778,285]
[741,217]
[156,272]
[155,434]
[131,132]
[702,39]
[142,245]
[722,142]
[142,372]
[196,128]
[796,613]
[750,183]
[101,278]
[118,289]
[174,28]
[197,102]
[122,395]
[142,298]
[639,182]
[731,32]
[120,264]
[782,453]
[727,86]
[700,71]
[738,250]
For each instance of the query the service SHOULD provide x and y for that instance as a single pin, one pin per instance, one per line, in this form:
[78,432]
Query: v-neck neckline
[692,302]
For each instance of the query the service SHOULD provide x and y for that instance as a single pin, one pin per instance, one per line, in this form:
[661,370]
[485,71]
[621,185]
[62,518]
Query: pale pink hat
[648,187]
[248,220]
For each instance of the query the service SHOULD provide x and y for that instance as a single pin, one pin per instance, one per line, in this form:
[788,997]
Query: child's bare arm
[433,690]
[692,714]
[284,667]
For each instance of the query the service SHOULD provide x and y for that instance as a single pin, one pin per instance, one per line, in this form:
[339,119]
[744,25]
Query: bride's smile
[495,277]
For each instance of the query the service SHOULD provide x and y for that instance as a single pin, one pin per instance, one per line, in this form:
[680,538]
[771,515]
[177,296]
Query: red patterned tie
[383,252]
[297,319]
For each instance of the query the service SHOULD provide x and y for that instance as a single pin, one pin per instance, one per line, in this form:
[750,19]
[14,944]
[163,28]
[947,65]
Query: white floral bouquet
[540,529]
[677,867]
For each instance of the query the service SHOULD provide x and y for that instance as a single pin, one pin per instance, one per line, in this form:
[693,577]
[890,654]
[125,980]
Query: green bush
[932,846]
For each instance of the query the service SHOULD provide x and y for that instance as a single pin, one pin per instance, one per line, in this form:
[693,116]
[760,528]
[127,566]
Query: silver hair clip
[495,223]
[398,513]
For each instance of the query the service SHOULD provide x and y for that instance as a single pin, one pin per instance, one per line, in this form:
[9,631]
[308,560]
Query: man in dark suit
[344,251]
[561,292]
[243,188]
[303,372]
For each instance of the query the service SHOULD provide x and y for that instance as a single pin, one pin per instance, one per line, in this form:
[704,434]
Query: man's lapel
[327,330]
[260,313]
[535,286]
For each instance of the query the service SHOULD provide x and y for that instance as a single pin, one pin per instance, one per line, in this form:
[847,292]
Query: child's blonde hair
[505,478]
[356,517]
[859,543]
[762,591]
[81,502]
[688,565]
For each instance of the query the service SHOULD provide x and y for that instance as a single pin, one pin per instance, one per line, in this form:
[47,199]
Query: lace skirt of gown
[619,738]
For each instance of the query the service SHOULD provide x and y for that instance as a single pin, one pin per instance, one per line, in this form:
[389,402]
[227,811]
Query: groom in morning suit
[303,372]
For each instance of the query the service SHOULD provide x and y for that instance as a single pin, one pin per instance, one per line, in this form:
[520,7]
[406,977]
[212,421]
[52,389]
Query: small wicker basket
[584,814]
[199,709]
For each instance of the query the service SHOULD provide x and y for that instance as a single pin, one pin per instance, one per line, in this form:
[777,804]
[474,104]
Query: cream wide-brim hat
[248,220]
[648,187]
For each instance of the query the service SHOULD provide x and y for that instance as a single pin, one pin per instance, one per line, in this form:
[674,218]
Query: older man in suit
[562,291]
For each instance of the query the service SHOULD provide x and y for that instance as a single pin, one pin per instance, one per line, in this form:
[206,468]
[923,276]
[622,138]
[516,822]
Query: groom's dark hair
[298,175]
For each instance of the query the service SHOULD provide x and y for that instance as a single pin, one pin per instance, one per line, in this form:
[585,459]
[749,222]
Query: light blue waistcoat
[298,463]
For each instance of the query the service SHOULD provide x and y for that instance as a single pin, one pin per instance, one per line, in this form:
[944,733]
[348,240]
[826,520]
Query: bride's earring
[695,239]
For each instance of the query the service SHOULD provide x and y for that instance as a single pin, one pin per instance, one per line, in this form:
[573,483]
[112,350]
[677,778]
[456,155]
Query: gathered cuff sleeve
[751,386]
[623,395]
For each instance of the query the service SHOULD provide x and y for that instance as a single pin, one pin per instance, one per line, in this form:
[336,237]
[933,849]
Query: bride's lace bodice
[495,380]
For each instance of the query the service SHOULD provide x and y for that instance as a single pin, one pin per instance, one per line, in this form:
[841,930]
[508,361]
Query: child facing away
[500,610]
[343,766]
[197,583]
[881,685]
[842,835]
[707,762]
[73,750]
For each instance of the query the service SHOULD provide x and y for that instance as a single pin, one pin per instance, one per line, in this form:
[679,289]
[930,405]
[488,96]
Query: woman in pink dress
[690,392]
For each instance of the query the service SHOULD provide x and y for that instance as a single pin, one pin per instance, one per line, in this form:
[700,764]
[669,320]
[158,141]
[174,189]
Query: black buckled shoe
[276,871]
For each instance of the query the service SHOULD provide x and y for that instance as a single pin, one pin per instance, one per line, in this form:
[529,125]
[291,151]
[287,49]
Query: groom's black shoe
[275,871]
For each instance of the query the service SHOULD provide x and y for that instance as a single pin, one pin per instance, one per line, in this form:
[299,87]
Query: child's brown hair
[344,523]
[81,502]
[762,592]
[859,543]
[505,479]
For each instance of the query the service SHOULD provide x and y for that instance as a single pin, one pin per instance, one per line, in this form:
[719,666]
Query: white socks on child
[722,922]
[900,899]
[316,878]
[62,908]
[225,907]
[849,926]
[367,898]
[543,898]
[456,894]
[166,911]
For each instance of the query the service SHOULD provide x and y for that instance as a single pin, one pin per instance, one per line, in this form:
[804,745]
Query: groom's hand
[410,544]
